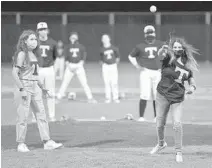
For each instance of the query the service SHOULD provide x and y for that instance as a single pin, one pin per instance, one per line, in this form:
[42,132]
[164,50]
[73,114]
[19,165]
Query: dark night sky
[105,6]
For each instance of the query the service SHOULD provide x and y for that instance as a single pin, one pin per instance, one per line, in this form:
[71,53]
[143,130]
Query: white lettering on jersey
[182,72]
[44,48]
[108,53]
[74,51]
[151,50]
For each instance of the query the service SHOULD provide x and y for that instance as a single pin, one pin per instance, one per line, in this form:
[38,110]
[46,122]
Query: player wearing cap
[47,56]
[75,58]
[145,58]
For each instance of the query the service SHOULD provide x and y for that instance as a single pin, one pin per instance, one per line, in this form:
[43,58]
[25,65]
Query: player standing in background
[145,58]
[47,56]
[59,64]
[178,65]
[28,92]
[110,57]
[75,59]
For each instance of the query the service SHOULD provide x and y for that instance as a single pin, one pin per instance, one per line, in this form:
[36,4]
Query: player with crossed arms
[110,57]
[75,58]
[47,56]
[145,58]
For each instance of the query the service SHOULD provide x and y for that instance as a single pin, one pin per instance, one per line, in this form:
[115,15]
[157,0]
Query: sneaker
[179,157]
[22,148]
[50,145]
[141,119]
[158,148]
[117,101]
[108,101]
[52,119]
[93,101]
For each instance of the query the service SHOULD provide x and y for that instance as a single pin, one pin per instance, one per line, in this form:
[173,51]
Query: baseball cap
[42,25]
[74,35]
[149,29]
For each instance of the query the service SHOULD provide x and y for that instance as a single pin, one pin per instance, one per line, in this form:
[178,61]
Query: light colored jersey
[29,70]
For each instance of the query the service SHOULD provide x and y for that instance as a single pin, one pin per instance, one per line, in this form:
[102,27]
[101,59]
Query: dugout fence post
[158,24]
[64,27]
[208,36]
[111,22]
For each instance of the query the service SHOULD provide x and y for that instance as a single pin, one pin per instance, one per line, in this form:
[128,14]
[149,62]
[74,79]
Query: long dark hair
[22,46]
[189,52]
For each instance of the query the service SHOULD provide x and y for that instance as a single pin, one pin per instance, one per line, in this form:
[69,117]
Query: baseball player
[60,61]
[110,57]
[145,58]
[28,91]
[75,58]
[47,56]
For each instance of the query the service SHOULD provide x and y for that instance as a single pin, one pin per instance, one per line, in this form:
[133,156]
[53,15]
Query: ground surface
[110,143]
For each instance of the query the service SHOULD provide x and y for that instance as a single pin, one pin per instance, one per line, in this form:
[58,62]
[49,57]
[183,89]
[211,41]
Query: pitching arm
[162,52]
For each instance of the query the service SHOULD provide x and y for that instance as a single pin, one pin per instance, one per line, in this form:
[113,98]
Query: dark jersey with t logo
[47,52]
[109,55]
[172,81]
[75,53]
[147,55]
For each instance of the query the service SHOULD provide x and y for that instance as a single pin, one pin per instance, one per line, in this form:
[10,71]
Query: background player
[59,64]
[110,57]
[47,56]
[177,67]
[75,58]
[28,91]
[144,57]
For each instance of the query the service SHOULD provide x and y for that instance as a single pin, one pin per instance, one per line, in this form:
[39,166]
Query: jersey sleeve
[135,52]
[166,60]
[20,59]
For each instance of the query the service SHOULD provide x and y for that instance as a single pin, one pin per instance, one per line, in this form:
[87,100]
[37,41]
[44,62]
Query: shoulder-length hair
[22,46]
[189,52]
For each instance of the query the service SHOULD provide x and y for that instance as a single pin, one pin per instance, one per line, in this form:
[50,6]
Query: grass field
[110,143]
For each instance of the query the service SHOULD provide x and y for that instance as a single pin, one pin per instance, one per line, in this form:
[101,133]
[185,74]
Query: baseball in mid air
[153,9]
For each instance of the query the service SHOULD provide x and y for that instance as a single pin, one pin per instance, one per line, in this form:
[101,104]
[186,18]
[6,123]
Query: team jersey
[147,55]
[75,53]
[29,69]
[47,52]
[109,55]
[172,81]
